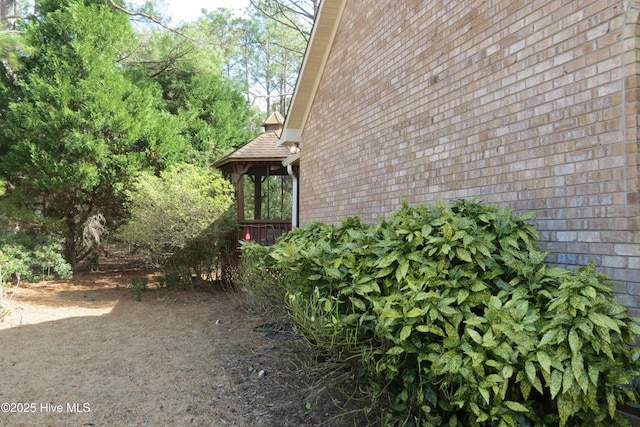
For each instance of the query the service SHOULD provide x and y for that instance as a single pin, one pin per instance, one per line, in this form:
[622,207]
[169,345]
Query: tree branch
[153,19]
[287,22]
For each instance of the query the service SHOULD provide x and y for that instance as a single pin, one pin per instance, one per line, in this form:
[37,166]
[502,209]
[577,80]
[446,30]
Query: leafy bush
[32,257]
[181,220]
[452,310]
[201,256]
[263,282]
[138,286]
[28,256]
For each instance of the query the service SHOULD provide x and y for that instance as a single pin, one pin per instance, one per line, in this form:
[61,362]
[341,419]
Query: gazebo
[263,185]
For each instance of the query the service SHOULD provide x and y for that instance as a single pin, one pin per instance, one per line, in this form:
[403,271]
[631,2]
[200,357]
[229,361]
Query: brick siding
[527,104]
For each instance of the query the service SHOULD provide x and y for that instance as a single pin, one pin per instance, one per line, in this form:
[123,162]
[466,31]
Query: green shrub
[263,283]
[452,310]
[28,256]
[138,286]
[201,257]
[32,257]
[181,221]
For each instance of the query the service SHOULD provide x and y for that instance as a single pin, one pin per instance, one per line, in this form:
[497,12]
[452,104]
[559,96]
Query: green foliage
[86,103]
[202,256]
[213,113]
[452,311]
[30,256]
[74,126]
[264,284]
[181,219]
[138,286]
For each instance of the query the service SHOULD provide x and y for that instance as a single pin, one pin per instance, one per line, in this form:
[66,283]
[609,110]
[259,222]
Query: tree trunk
[70,243]
[7,9]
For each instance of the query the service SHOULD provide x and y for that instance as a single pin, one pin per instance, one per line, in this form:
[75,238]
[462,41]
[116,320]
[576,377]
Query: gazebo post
[239,171]
[240,197]
[257,198]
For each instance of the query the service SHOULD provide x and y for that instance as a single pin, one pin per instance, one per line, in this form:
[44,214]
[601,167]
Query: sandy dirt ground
[84,352]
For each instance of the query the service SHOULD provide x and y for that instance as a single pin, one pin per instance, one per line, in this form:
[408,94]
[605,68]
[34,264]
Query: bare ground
[85,353]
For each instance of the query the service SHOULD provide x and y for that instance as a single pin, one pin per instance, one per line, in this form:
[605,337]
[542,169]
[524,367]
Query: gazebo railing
[264,232]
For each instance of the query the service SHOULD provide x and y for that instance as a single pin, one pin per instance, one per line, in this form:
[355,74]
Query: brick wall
[528,104]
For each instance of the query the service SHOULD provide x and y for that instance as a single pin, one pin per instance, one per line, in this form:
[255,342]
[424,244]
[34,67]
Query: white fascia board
[291,160]
[290,136]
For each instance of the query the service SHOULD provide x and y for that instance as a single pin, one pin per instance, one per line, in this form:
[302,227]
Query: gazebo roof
[263,148]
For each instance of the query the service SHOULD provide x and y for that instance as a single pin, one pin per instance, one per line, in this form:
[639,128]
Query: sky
[190,10]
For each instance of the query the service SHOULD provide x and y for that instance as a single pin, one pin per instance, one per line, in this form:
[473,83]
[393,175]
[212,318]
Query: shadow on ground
[85,353]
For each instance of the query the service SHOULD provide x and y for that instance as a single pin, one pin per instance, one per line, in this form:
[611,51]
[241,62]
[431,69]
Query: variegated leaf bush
[452,311]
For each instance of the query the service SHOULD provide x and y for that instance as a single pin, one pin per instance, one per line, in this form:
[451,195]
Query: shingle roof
[263,148]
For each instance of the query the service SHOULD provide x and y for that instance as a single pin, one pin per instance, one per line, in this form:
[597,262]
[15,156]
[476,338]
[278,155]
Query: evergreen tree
[75,127]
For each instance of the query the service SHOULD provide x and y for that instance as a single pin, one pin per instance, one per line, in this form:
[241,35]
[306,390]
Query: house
[526,104]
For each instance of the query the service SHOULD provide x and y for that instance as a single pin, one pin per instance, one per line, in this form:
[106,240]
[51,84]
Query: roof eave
[315,59]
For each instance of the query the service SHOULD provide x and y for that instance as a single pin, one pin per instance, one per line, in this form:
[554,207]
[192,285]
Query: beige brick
[530,104]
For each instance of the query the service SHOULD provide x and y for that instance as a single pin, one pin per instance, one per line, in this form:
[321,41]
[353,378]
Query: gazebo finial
[275,121]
